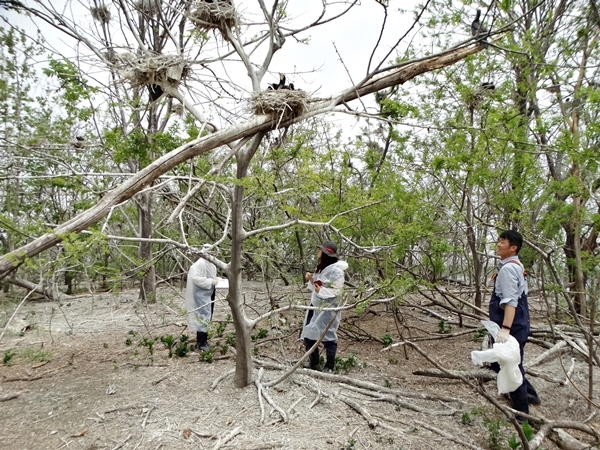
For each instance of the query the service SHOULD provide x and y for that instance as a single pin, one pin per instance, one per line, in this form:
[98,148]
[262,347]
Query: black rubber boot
[330,351]
[202,341]
[313,362]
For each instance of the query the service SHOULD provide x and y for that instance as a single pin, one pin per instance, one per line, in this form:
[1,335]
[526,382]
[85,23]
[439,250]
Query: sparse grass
[36,355]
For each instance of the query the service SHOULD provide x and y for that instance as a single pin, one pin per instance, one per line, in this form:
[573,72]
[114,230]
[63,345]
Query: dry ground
[72,382]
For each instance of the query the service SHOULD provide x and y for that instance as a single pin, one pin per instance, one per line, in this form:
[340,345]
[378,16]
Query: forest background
[149,131]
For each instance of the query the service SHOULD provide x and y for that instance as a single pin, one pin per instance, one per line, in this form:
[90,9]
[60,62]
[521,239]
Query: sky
[335,57]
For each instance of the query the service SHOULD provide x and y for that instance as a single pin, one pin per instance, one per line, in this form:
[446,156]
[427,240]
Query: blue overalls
[520,331]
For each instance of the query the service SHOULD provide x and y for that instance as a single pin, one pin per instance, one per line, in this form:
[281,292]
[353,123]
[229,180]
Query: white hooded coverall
[328,296]
[198,294]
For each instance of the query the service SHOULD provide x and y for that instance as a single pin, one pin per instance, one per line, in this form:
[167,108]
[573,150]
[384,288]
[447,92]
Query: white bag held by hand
[507,355]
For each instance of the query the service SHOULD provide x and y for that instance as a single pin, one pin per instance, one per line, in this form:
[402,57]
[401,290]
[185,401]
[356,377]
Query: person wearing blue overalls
[509,309]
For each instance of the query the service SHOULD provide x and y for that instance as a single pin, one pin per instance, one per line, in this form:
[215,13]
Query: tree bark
[243,326]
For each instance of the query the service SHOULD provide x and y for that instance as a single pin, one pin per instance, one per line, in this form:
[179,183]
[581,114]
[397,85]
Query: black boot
[313,362]
[330,351]
[202,341]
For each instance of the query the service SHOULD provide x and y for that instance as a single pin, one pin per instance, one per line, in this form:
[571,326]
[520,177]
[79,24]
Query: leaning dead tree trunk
[243,131]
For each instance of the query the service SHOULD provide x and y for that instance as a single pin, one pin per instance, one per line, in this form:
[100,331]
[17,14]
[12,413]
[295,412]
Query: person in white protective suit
[326,285]
[200,298]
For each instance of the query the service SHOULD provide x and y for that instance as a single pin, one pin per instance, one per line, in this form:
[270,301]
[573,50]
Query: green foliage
[262,333]
[73,86]
[221,328]
[479,334]
[493,427]
[169,342]
[207,356]
[148,343]
[387,340]
[182,348]
[527,431]
[345,365]
[443,327]
[7,358]
[230,339]
[466,419]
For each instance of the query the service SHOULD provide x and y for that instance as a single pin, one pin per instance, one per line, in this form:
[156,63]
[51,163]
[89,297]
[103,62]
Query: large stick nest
[219,14]
[147,70]
[282,104]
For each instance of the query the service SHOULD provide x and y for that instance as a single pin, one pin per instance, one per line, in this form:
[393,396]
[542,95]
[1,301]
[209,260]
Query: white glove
[502,336]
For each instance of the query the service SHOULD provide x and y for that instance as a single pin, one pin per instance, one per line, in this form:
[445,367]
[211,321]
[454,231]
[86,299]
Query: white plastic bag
[507,355]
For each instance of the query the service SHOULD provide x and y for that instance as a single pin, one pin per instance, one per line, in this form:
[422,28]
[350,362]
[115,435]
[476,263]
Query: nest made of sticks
[219,14]
[146,70]
[100,13]
[282,105]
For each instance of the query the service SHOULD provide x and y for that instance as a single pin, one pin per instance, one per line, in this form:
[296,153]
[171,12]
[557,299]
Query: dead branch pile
[282,104]
[219,14]
[142,71]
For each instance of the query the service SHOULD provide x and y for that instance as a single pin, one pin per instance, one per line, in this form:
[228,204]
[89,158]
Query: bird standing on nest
[280,85]
[478,29]
[276,86]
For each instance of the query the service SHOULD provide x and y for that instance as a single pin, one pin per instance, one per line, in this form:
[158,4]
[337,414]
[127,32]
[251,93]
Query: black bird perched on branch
[479,30]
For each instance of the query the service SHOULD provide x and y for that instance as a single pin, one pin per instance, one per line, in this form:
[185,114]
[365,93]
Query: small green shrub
[262,333]
[466,419]
[345,365]
[148,342]
[169,342]
[183,347]
[230,339]
[7,359]
[443,327]
[221,328]
[207,356]
[386,340]
[493,427]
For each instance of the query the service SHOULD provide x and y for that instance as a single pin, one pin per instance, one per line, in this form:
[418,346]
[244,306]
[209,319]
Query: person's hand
[502,336]
[215,282]
[309,277]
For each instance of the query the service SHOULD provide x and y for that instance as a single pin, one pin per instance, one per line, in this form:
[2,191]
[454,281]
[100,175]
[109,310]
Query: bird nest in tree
[142,71]
[282,104]
[219,14]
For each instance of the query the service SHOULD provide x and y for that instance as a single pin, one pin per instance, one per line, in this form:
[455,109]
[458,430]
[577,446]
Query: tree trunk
[148,282]
[243,327]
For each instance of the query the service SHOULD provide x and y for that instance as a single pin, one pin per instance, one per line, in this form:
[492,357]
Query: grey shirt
[510,282]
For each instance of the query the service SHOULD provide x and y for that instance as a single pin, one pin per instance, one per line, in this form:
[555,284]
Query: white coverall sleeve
[333,286]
